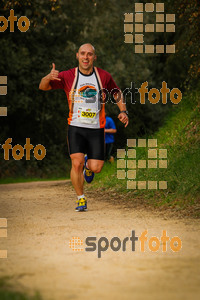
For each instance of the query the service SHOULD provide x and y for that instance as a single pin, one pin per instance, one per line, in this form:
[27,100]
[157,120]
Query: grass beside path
[7,292]
[23,179]
[180,135]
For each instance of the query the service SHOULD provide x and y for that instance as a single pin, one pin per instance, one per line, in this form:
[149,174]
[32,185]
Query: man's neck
[86,72]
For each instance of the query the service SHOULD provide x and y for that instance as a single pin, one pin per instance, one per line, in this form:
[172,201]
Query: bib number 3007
[87,114]
[88,117]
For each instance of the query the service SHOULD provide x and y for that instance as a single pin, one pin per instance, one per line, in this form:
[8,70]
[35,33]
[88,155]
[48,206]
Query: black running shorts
[86,140]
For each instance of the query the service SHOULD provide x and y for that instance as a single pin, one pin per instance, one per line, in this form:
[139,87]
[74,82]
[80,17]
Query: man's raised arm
[45,82]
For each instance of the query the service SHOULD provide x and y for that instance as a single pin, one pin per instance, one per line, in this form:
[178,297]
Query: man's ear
[77,55]
[95,57]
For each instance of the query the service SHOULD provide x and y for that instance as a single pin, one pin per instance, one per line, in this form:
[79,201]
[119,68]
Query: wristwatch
[124,111]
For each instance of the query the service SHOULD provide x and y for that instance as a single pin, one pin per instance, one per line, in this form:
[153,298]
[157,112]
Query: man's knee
[77,165]
[96,168]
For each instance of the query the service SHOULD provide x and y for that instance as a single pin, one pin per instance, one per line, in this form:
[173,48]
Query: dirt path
[42,221]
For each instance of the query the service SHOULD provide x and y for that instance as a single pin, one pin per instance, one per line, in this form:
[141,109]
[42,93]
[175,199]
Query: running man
[83,86]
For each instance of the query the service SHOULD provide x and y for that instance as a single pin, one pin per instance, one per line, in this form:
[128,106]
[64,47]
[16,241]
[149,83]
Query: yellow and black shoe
[82,205]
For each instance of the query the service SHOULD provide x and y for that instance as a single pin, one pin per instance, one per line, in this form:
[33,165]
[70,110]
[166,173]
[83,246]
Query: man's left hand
[123,118]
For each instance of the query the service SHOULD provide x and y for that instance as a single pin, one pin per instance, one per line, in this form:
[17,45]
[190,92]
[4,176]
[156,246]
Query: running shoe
[87,173]
[82,205]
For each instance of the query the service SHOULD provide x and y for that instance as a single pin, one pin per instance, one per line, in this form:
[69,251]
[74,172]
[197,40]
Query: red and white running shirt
[86,108]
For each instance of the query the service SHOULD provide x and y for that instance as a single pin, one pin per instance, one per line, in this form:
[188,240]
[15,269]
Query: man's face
[86,56]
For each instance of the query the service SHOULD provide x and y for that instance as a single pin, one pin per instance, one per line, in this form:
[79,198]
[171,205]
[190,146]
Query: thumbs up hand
[54,73]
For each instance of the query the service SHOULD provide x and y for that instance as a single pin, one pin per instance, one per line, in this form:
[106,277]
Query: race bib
[87,116]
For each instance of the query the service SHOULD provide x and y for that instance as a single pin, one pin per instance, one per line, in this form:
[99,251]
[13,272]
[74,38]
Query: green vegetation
[29,179]
[180,135]
[27,57]
[41,116]
[7,292]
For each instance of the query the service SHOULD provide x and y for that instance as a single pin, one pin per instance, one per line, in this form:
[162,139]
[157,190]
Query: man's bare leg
[77,172]
[95,165]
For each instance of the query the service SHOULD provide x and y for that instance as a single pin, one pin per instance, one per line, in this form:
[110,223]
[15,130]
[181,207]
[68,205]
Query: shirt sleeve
[56,84]
[112,85]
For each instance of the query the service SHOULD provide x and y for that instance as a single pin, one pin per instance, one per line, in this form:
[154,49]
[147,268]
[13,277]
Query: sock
[82,196]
